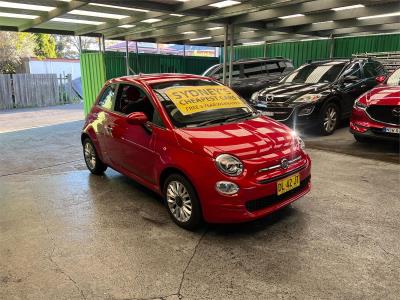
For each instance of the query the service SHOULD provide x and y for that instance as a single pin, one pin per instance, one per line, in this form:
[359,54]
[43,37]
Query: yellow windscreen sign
[190,100]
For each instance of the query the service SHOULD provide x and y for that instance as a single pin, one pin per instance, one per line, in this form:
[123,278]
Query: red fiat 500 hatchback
[376,114]
[199,145]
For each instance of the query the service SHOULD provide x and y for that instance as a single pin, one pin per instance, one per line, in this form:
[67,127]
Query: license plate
[391,130]
[268,113]
[287,184]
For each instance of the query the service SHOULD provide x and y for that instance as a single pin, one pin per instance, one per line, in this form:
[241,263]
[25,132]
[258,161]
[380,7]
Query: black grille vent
[384,114]
[258,204]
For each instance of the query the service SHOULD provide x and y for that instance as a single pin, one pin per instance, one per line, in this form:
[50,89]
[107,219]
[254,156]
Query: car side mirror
[350,79]
[137,118]
[380,79]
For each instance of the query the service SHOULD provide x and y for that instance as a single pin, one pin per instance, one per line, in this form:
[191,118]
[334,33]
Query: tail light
[380,79]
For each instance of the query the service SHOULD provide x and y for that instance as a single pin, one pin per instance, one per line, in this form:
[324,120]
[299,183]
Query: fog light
[306,111]
[226,187]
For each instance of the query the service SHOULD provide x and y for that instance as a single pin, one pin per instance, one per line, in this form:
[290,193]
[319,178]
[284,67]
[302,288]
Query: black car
[320,93]
[249,76]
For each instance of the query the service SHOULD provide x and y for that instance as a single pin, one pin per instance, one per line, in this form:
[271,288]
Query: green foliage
[14,46]
[45,46]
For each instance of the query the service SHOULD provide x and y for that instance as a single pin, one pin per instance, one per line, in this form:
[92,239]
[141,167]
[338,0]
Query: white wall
[59,67]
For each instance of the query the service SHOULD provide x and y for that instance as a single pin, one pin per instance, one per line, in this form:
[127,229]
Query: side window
[107,98]
[254,69]
[370,70]
[274,68]
[353,70]
[131,99]
[235,74]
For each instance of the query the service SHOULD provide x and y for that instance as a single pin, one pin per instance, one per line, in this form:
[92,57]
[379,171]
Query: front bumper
[256,200]
[362,125]
[292,116]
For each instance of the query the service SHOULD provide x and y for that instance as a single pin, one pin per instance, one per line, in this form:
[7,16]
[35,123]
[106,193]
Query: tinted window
[235,74]
[353,70]
[131,99]
[106,99]
[254,69]
[315,73]
[373,69]
[274,67]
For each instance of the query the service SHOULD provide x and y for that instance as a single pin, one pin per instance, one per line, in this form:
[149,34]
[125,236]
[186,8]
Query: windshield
[315,73]
[394,79]
[195,103]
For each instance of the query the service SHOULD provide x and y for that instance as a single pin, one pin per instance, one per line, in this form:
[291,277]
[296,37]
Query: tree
[68,46]
[45,46]
[14,46]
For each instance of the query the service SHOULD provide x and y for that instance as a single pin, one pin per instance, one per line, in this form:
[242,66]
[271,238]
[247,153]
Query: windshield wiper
[225,119]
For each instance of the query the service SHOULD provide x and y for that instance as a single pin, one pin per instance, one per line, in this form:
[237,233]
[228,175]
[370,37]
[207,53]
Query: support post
[332,46]
[127,57]
[80,44]
[231,52]
[103,40]
[99,42]
[225,54]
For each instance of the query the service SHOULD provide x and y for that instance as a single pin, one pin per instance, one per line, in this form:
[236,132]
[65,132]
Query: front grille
[384,114]
[280,113]
[254,205]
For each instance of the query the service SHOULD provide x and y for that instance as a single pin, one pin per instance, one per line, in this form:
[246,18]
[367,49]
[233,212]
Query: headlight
[254,97]
[229,165]
[302,145]
[299,140]
[358,104]
[308,98]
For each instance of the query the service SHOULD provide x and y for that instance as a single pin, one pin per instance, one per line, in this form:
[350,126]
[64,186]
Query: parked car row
[321,94]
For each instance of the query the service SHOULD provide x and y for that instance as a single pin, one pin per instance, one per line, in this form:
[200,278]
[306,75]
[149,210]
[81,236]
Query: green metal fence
[301,51]
[97,67]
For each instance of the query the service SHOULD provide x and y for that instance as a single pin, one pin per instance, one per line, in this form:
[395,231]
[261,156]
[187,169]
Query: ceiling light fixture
[380,16]
[225,3]
[176,15]
[322,22]
[201,38]
[119,7]
[65,20]
[126,26]
[214,28]
[253,43]
[188,32]
[348,7]
[18,16]
[151,20]
[26,6]
[96,14]
[291,16]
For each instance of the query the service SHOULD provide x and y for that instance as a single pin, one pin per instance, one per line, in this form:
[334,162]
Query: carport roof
[202,22]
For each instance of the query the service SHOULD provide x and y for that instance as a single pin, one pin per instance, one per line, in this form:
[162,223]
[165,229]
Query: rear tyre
[329,118]
[182,203]
[92,160]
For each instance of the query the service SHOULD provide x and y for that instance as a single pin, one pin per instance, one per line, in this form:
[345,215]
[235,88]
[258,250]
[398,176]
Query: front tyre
[92,160]
[329,119]
[182,202]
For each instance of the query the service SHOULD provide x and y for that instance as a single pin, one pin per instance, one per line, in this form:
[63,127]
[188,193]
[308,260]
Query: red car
[199,145]
[376,114]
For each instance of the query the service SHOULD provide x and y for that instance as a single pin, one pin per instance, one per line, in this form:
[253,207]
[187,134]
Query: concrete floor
[66,234]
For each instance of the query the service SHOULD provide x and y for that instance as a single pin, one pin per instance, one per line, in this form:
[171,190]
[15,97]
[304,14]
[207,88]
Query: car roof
[155,78]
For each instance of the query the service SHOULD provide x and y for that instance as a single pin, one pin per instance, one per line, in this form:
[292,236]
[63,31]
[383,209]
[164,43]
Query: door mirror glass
[137,118]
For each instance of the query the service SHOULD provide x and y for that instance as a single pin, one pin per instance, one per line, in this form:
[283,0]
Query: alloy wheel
[330,119]
[179,201]
[90,156]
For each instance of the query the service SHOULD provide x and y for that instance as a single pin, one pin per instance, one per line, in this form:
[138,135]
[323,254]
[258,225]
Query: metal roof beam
[190,8]
[61,9]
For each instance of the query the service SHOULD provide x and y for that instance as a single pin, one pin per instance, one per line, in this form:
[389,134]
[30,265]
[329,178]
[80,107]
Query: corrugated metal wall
[93,77]
[346,46]
[302,51]
[98,67]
